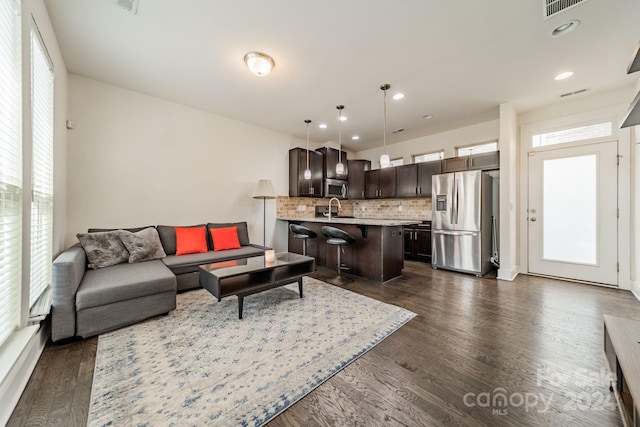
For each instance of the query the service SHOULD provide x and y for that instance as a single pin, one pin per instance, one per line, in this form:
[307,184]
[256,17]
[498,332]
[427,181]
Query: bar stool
[338,237]
[301,232]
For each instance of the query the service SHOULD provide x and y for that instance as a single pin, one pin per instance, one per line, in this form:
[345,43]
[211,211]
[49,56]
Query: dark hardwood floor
[479,352]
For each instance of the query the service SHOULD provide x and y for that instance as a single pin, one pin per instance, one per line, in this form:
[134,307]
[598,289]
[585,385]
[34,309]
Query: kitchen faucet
[339,207]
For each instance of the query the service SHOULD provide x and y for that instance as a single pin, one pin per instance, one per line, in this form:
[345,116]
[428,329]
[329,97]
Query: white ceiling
[457,60]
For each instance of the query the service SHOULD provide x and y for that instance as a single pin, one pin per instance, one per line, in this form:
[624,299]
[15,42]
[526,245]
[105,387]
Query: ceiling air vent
[575,92]
[398,130]
[552,7]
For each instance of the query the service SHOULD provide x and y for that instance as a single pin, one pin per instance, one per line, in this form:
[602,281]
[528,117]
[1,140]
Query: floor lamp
[264,190]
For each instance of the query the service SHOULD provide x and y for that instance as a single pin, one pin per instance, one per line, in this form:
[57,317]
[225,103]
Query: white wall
[447,141]
[135,160]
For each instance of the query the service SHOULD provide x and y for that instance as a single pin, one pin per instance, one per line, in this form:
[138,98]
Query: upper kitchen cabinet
[455,164]
[357,169]
[298,185]
[380,183]
[485,161]
[480,161]
[331,157]
[425,171]
[415,180]
[407,181]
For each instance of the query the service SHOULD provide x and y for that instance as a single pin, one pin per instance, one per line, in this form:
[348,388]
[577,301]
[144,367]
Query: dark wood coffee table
[249,276]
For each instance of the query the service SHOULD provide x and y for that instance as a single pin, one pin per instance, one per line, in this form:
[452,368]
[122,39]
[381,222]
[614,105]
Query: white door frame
[613,114]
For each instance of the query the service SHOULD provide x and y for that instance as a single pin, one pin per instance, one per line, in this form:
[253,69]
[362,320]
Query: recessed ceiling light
[427,116]
[398,96]
[355,137]
[343,118]
[564,75]
[322,125]
[565,28]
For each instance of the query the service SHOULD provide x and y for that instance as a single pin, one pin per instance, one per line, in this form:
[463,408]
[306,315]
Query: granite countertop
[356,221]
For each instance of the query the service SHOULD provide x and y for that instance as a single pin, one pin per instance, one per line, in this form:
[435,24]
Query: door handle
[533,219]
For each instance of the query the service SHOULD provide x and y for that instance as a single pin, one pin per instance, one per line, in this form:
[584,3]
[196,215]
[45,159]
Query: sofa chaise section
[89,302]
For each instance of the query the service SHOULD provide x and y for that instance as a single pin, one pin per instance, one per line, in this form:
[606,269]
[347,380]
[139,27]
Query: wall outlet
[363,209]
[302,208]
[400,208]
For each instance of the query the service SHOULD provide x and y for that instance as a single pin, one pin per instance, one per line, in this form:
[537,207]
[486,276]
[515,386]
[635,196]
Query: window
[428,157]
[397,162]
[475,149]
[574,134]
[10,167]
[41,168]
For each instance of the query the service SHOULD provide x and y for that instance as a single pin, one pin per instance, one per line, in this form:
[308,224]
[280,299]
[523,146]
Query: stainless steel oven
[335,188]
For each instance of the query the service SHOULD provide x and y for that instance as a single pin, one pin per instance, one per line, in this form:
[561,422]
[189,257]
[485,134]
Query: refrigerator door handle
[454,201]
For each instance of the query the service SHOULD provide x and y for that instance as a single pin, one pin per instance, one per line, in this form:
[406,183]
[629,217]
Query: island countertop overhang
[355,221]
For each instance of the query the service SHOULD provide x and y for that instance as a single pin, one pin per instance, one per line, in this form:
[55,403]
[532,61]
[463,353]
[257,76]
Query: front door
[572,213]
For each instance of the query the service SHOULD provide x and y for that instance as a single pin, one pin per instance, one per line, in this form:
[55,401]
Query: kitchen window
[428,157]
[475,149]
[10,169]
[397,162]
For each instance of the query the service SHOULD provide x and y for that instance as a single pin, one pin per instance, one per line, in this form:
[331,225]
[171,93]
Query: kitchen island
[377,253]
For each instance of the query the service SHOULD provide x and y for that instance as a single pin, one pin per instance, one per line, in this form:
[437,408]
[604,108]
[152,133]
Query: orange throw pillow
[225,238]
[191,240]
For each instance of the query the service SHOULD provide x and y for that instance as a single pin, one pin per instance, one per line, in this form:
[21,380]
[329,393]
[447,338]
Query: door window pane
[570,209]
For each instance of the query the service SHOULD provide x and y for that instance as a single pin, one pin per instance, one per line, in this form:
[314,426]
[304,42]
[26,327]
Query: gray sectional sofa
[88,301]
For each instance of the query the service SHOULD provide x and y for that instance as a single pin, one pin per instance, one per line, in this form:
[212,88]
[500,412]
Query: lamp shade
[264,190]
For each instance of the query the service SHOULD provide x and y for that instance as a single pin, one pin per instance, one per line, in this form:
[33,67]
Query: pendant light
[384,159]
[307,171]
[339,166]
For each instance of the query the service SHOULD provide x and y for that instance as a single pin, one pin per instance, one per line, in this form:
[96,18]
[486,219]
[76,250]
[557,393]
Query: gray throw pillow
[143,245]
[103,249]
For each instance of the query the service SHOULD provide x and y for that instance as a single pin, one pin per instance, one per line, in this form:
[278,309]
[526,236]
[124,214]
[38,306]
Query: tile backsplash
[304,207]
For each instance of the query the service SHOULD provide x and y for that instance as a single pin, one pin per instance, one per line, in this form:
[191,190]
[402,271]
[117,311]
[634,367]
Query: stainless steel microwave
[335,188]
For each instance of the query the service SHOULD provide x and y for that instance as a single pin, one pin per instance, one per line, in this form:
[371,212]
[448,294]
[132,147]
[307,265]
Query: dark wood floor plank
[471,337]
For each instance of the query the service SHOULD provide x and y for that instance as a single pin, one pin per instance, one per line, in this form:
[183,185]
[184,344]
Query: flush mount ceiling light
[565,28]
[564,75]
[398,96]
[259,63]
[355,137]
[322,125]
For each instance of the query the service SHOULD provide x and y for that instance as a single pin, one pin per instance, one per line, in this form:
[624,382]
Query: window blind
[41,168]
[10,167]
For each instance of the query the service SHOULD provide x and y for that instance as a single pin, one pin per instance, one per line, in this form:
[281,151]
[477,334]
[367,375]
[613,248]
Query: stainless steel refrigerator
[461,222]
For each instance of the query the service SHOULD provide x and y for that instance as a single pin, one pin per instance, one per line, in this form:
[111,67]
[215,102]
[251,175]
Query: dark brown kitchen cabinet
[298,185]
[380,183]
[417,242]
[356,180]
[407,181]
[415,180]
[331,156]
[426,171]
[485,161]
[455,164]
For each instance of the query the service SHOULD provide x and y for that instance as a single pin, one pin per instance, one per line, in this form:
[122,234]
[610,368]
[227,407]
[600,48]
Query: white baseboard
[509,275]
[635,290]
[19,355]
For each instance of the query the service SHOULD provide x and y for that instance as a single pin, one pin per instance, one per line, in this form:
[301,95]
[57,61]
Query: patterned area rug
[201,365]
